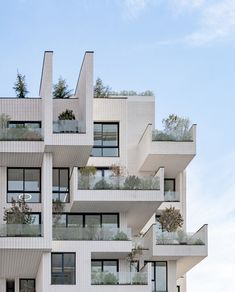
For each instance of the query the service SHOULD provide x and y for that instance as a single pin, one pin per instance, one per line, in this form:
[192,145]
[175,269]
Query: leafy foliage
[18,213]
[132,93]
[4,119]
[121,236]
[20,86]
[176,126]
[132,182]
[102,185]
[101,91]
[61,89]
[67,115]
[171,219]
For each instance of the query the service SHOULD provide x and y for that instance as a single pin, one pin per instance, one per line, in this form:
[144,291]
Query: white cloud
[132,8]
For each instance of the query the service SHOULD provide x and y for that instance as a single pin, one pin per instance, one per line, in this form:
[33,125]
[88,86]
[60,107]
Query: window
[159,276]
[10,286]
[61,184]
[178,288]
[169,185]
[109,220]
[63,268]
[106,139]
[27,285]
[24,183]
[107,266]
[35,217]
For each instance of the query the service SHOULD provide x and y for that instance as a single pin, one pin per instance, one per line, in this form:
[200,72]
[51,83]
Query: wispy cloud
[214,20]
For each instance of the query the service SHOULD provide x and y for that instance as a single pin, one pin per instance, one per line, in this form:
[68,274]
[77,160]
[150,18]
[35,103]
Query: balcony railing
[20,230]
[181,136]
[119,278]
[171,196]
[21,134]
[90,233]
[180,238]
[67,126]
[118,183]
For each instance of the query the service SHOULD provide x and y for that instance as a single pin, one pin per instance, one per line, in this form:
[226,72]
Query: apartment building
[113,175]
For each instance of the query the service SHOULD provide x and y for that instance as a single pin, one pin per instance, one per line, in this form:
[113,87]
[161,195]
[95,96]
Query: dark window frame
[26,279]
[108,147]
[62,192]
[19,191]
[84,215]
[108,260]
[25,122]
[154,274]
[63,253]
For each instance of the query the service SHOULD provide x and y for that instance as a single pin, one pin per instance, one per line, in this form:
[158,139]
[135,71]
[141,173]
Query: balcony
[188,249]
[68,126]
[20,230]
[91,233]
[171,196]
[119,278]
[173,151]
[138,197]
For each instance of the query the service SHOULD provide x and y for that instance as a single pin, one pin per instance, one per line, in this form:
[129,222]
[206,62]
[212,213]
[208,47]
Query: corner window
[63,268]
[106,140]
[24,183]
[61,184]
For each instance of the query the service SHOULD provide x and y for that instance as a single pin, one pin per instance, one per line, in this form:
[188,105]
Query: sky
[183,50]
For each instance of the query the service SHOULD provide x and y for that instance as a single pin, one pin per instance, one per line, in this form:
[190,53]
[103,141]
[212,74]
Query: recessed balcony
[91,233]
[68,127]
[20,230]
[21,134]
[173,151]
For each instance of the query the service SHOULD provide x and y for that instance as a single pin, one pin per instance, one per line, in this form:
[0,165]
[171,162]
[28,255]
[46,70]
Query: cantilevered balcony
[187,249]
[138,197]
[20,230]
[91,233]
[173,151]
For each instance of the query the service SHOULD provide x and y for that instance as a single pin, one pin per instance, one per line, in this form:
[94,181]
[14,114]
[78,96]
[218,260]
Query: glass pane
[160,276]
[59,219]
[110,152]
[29,197]
[64,180]
[27,284]
[169,185]
[134,266]
[110,220]
[55,180]
[92,220]
[97,134]
[56,263]
[69,268]
[35,219]
[96,266]
[96,152]
[75,220]
[108,172]
[32,180]
[63,197]
[15,179]
[110,266]
[110,135]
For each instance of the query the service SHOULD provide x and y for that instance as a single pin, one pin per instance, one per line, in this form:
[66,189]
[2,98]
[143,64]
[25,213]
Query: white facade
[76,253]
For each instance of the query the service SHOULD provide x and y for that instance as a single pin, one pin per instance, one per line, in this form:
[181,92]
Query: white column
[171,276]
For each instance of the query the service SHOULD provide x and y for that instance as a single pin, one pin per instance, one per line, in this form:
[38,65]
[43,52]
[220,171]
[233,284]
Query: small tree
[61,89]
[100,90]
[20,86]
[18,213]
[171,219]
[57,209]
[176,126]
[67,115]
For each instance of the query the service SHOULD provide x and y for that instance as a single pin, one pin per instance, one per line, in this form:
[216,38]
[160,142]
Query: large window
[107,266]
[63,268]
[61,184]
[27,285]
[24,124]
[106,139]
[109,220]
[24,183]
[159,276]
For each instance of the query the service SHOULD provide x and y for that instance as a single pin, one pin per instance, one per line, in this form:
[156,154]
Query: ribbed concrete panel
[19,263]
[22,109]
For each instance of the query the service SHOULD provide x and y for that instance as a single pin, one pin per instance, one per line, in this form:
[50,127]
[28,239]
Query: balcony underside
[19,263]
[173,163]
[20,159]
[137,212]
[69,155]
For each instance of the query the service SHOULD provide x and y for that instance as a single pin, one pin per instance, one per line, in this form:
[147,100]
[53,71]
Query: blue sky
[183,50]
